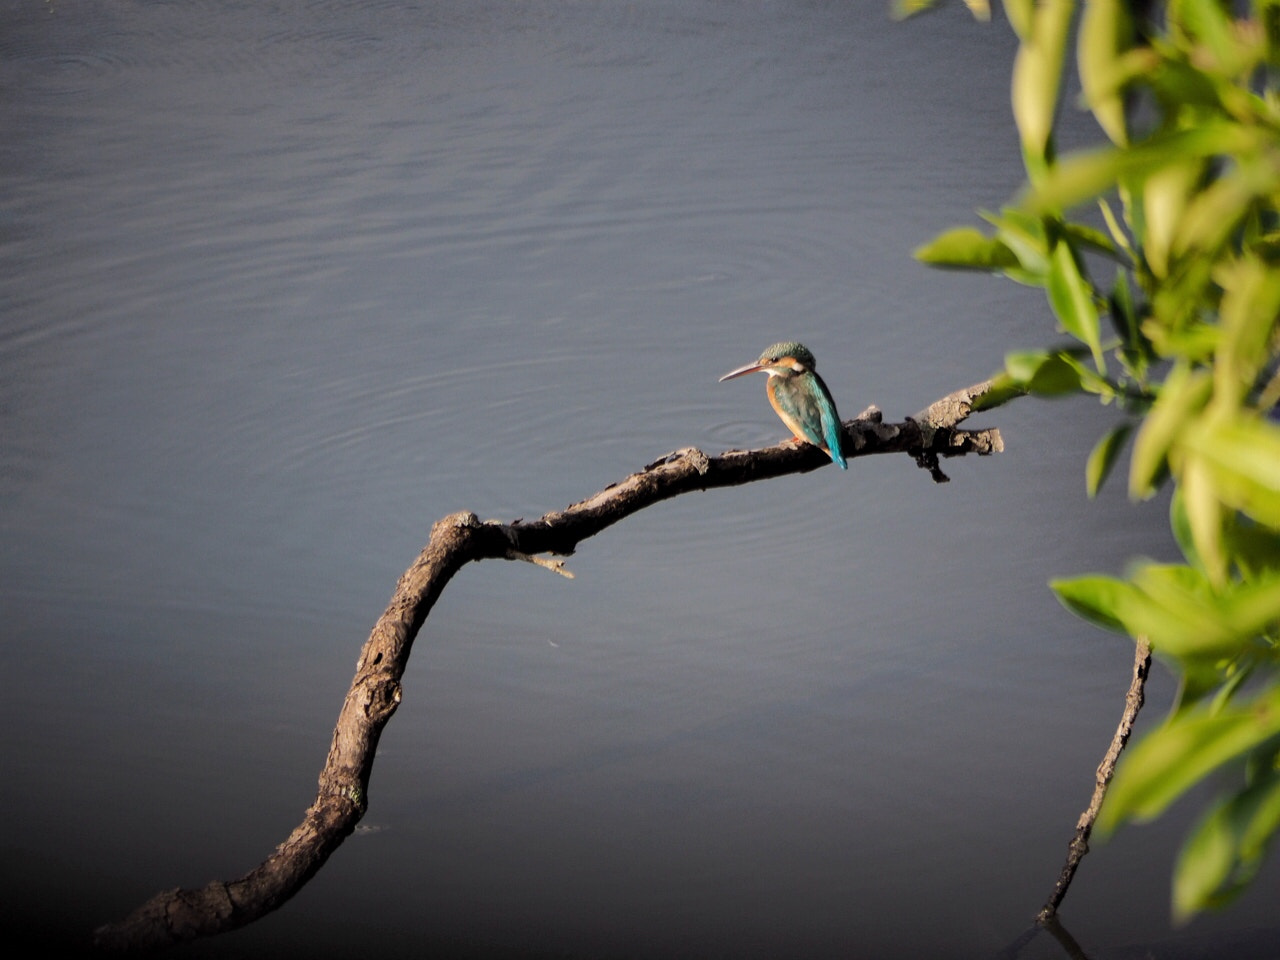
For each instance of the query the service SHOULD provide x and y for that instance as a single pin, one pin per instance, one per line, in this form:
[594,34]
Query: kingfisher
[799,396]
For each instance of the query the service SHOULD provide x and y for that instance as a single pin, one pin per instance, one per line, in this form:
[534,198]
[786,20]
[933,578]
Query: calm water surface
[282,283]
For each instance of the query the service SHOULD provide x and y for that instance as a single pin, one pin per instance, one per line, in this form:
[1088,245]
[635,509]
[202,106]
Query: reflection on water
[281,284]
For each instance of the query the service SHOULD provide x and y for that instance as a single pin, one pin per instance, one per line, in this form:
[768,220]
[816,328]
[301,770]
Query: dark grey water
[282,283]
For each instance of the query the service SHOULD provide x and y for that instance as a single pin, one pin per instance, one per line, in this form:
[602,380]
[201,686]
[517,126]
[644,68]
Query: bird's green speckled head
[788,348]
[785,359]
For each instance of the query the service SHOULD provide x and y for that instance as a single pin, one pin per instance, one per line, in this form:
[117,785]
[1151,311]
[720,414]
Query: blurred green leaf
[966,248]
[981,9]
[1089,174]
[1244,457]
[1022,365]
[1003,389]
[1037,74]
[902,9]
[1252,607]
[1207,24]
[1174,606]
[1097,598]
[1106,31]
[1173,335]
[1057,376]
[1255,549]
[1071,296]
[1125,321]
[1025,235]
[1175,757]
[1083,235]
[1180,525]
[1182,396]
[1217,210]
[1198,685]
[1020,14]
[1267,13]
[1103,457]
[1165,194]
[1046,373]
[1249,310]
[1227,847]
[1205,515]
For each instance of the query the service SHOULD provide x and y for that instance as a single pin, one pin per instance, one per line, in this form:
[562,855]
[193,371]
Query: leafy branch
[1183,264]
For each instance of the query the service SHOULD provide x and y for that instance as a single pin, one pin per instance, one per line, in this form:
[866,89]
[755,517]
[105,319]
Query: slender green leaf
[1037,74]
[1124,319]
[1249,311]
[1057,376]
[1165,194]
[1205,516]
[1252,607]
[1180,525]
[1071,296]
[1200,683]
[1216,212]
[1182,395]
[1020,14]
[966,248]
[1083,235]
[1210,28]
[1255,549]
[1174,606]
[1097,598]
[1244,457]
[1227,847]
[1172,759]
[1103,457]
[1088,174]
[902,9]
[1025,235]
[1106,31]
[1003,389]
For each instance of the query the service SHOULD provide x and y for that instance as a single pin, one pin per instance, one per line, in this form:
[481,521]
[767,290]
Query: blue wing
[831,429]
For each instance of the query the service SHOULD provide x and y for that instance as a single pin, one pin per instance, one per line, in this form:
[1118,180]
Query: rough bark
[1079,844]
[177,915]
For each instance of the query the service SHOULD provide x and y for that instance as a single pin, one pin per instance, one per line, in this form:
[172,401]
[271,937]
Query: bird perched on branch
[799,396]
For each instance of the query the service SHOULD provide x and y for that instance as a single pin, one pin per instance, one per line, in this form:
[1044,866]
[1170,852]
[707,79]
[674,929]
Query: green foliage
[1169,302]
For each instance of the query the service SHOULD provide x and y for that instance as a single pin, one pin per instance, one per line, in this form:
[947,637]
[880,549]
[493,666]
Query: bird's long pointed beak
[741,372]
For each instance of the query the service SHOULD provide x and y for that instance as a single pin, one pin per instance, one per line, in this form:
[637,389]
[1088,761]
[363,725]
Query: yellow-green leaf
[1097,598]
[1183,394]
[966,248]
[1103,457]
[1071,297]
[1037,73]
[1226,848]
[1175,757]
[1244,457]
[1085,175]
[1106,31]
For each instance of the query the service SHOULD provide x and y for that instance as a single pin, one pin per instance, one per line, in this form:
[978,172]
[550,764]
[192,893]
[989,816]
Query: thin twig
[1079,844]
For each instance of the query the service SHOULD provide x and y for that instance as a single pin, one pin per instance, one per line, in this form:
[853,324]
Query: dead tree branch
[1079,844]
[178,915]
